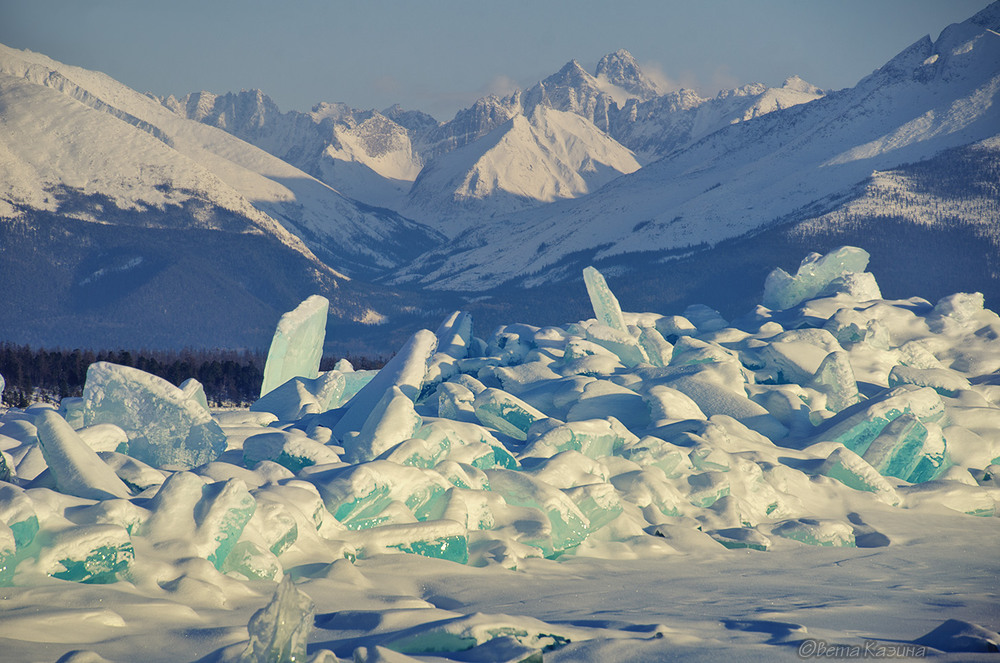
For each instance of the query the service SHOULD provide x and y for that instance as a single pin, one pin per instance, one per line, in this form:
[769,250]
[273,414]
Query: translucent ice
[895,452]
[854,471]
[77,468]
[405,371]
[8,551]
[297,346]
[657,349]
[835,378]
[816,532]
[652,451]
[599,502]
[291,449]
[606,307]
[625,346]
[279,632]
[595,438]
[253,562]
[943,380]
[18,513]
[506,413]
[782,290]
[164,427]
[857,285]
[857,429]
[88,553]
[208,519]
[443,539]
[275,524]
[455,402]
[569,524]
[357,495]
[104,437]
[392,420]
[300,396]
[195,391]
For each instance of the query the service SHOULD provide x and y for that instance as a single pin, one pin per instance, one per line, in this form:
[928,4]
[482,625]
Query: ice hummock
[816,272]
[590,441]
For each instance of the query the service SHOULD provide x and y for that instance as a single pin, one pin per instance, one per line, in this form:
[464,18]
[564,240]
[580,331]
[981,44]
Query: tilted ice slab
[297,345]
[590,439]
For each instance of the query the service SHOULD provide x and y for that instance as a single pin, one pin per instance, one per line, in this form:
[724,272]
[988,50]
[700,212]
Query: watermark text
[869,649]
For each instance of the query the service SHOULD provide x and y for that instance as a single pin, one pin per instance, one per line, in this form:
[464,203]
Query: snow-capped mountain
[524,162]
[783,166]
[659,126]
[362,154]
[118,214]
[332,226]
[620,70]
[403,160]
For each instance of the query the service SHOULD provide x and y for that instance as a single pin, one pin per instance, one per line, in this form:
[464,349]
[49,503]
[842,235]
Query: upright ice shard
[406,370]
[164,426]
[607,310]
[782,290]
[455,335]
[297,346]
[195,391]
[279,632]
[835,378]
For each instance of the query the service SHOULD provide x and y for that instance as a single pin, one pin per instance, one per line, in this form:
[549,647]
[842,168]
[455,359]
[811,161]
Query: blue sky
[440,55]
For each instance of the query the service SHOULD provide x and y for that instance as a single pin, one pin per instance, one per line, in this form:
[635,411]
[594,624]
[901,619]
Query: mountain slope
[333,227]
[790,164]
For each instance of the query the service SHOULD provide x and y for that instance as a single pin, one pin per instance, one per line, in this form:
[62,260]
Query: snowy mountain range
[513,193]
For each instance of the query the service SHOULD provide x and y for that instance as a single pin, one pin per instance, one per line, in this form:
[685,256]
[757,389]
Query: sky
[441,55]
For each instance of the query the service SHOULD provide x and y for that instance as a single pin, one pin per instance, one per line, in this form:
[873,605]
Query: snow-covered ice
[635,487]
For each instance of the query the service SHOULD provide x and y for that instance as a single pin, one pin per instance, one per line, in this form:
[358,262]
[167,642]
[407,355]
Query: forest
[230,378]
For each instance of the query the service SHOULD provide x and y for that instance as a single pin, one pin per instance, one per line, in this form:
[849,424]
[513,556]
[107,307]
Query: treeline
[230,377]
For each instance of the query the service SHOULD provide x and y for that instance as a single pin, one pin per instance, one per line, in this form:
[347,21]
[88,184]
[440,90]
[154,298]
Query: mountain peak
[621,69]
[796,84]
[570,73]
